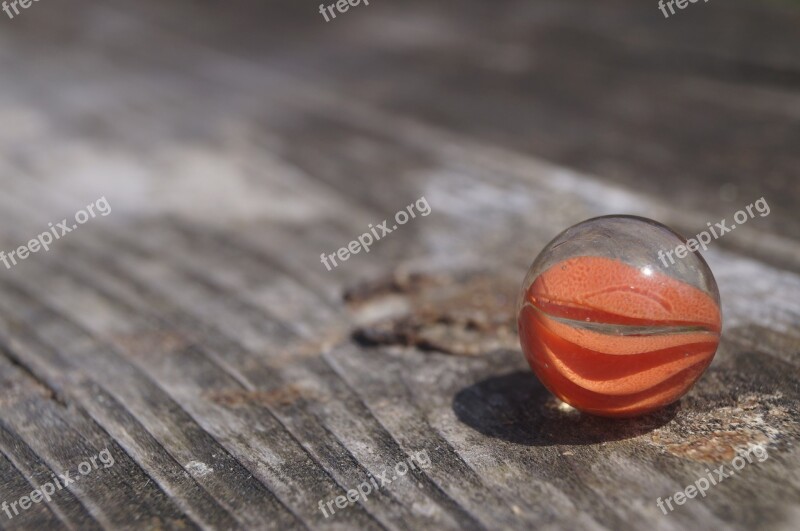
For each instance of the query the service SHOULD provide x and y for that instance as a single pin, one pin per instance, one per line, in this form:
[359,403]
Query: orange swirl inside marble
[614,340]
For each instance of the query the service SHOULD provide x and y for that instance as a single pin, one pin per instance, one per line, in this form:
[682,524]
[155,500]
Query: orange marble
[614,340]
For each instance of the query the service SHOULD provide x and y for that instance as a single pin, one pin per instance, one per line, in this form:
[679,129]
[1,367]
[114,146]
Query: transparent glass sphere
[618,317]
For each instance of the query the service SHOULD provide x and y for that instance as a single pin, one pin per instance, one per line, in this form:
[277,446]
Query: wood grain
[195,334]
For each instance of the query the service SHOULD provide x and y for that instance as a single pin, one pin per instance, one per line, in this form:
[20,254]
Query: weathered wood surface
[194,333]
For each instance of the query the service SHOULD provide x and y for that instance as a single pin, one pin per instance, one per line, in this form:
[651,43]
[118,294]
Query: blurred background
[699,110]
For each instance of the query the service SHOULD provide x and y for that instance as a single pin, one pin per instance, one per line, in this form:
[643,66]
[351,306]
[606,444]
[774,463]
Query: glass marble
[612,329]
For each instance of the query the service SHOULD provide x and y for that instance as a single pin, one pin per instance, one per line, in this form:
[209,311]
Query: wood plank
[238,383]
